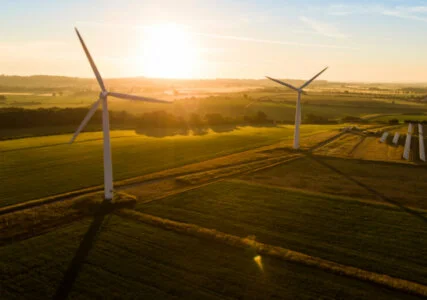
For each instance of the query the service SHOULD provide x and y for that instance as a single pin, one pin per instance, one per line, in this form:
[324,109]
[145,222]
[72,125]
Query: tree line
[46,117]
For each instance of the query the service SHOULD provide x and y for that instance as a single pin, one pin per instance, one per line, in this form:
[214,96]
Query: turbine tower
[108,168]
[300,91]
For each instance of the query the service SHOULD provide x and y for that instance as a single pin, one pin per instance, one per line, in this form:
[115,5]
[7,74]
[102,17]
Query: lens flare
[258,261]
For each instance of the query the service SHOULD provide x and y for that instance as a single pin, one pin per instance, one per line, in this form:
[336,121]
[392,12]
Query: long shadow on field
[415,213]
[82,252]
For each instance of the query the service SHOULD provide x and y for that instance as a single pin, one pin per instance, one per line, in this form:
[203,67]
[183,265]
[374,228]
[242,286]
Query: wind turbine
[108,168]
[300,91]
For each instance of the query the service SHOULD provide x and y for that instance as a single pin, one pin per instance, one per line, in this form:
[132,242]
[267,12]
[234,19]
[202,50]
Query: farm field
[363,147]
[224,211]
[350,232]
[371,149]
[127,259]
[341,147]
[332,106]
[401,117]
[386,182]
[278,104]
[33,168]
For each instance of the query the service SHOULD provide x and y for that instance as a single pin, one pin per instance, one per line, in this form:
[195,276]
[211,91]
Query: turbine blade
[283,83]
[312,79]
[137,98]
[92,63]
[89,115]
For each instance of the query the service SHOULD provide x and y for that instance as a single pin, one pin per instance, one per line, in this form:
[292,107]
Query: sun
[168,51]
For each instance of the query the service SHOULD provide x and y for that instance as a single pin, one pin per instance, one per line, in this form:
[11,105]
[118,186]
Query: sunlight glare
[168,51]
[258,261]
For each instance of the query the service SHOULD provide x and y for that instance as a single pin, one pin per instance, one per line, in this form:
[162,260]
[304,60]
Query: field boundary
[147,178]
[277,252]
[329,196]
[227,177]
[57,144]
[355,147]
[144,179]
[370,161]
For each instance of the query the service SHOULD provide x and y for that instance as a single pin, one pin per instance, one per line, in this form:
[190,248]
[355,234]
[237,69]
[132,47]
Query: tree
[315,119]
[352,119]
[261,117]
[195,120]
[214,119]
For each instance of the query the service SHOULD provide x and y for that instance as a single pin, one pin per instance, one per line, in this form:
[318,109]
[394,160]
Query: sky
[364,41]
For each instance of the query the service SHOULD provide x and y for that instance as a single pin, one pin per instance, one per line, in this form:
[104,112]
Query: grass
[25,223]
[29,143]
[203,177]
[276,252]
[33,168]
[341,147]
[401,117]
[133,260]
[19,133]
[371,149]
[364,147]
[352,233]
[330,105]
[398,183]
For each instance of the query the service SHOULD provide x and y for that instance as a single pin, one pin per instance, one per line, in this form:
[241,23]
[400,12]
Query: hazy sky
[358,40]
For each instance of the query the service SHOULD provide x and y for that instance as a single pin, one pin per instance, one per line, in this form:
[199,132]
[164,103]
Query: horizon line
[262,78]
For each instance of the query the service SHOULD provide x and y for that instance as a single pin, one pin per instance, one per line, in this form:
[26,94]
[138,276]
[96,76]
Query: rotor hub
[103,94]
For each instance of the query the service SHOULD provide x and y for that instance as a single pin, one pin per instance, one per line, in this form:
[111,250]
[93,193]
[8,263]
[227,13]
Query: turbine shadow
[82,252]
[408,210]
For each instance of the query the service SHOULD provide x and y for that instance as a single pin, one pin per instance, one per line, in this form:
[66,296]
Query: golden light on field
[258,261]
[169,51]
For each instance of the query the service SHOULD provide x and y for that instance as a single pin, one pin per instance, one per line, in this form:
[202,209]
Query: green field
[278,103]
[345,231]
[37,167]
[386,182]
[401,117]
[132,260]
[346,220]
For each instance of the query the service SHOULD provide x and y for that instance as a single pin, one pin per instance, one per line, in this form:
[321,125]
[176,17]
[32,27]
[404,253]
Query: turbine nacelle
[299,90]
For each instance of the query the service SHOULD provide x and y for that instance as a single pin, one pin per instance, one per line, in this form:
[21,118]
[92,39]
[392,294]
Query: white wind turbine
[108,168]
[300,91]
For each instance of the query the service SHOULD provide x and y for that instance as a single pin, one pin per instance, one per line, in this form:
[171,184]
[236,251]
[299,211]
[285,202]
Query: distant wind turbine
[108,168]
[300,91]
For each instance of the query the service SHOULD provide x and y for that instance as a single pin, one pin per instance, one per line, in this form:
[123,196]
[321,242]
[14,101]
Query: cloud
[417,13]
[323,28]
[287,43]
[418,9]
